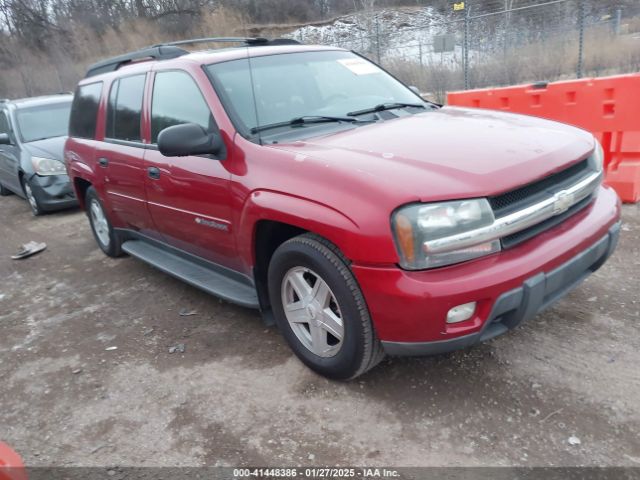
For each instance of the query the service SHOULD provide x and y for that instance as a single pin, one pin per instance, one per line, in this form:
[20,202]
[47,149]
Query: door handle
[153,172]
[103,162]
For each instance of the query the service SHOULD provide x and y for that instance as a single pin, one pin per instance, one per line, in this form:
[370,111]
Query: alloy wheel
[33,203]
[100,223]
[312,311]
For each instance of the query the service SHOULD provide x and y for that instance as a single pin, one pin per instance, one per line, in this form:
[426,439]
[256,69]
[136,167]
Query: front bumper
[54,192]
[409,309]
[522,303]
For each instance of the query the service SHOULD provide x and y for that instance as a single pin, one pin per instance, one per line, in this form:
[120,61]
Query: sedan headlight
[598,156]
[414,225]
[48,166]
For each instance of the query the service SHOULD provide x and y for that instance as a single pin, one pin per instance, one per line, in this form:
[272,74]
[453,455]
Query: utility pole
[467,19]
[580,37]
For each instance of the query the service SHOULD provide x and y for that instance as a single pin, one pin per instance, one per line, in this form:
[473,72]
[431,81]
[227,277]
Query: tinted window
[84,111]
[170,108]
[43,121]
[125,108]
[4,123]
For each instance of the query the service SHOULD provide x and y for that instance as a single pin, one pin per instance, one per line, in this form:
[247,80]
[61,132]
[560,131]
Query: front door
[188,197]
[9,157]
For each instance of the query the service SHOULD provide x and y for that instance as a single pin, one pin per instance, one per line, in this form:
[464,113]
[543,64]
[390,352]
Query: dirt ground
[238,396]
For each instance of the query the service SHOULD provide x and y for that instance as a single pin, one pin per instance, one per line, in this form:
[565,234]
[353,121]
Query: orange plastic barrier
[11,466]
[609,107]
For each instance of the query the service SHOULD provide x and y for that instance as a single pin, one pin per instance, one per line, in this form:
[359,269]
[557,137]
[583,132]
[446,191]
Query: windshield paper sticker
[359,66]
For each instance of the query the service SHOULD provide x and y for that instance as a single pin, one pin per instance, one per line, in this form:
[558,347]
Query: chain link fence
[492,42]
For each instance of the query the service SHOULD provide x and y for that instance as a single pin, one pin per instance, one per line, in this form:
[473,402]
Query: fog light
[461,312]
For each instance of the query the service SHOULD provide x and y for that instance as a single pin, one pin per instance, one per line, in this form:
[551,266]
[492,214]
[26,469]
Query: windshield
[43,121]
[288,86]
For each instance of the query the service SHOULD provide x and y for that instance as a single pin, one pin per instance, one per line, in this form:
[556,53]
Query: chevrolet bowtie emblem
[562,201]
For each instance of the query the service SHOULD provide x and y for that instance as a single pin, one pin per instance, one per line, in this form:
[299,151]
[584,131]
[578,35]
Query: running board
[199,276]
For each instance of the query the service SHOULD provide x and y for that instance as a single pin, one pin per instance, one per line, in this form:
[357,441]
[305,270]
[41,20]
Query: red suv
[309,183]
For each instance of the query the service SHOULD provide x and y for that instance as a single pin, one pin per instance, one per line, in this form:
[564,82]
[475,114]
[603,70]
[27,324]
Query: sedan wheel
[31,198]
[4,191]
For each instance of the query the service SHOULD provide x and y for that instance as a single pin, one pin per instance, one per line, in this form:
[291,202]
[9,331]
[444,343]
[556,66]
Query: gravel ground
[238,396]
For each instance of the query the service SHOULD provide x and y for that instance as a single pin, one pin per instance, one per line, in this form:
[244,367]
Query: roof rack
[248,41]
[157,53]
[167,51]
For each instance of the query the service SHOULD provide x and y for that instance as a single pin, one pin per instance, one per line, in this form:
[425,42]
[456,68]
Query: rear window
[125,109]
[84,111]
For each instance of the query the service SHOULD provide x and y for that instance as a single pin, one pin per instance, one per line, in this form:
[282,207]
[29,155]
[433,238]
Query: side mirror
[5,139]
[189,139]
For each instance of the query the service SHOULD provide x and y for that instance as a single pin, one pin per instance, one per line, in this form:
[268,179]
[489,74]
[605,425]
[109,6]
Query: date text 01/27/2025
[315,472]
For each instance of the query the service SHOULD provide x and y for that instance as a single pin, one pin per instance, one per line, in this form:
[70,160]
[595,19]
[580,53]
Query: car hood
[48,148]
[448,153]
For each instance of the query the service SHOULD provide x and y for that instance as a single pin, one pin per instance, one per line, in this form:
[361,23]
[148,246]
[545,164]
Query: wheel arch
[81,186]
[270,218]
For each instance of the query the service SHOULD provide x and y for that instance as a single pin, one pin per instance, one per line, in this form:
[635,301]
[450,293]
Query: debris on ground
[180,348]
[148,332]
[187,313]
[77,371]
[573,440]
[551,415]
[111,349]
[29,249]
[98,448]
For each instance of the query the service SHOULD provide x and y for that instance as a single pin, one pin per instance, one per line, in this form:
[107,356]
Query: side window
[124,111]
[84,111]
[4,123]
[169,109]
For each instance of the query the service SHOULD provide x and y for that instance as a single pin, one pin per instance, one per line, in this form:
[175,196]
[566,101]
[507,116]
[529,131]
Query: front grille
[530,194]
[524,235]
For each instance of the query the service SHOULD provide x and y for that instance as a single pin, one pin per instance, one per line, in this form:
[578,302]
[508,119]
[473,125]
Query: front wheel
[107,238]
[320,309]
[4,191]
[34,204]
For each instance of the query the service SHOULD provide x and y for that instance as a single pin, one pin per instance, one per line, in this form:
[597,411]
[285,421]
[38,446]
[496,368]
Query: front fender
[299,212]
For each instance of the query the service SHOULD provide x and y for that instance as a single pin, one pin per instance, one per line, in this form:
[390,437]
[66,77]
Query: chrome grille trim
[520,220]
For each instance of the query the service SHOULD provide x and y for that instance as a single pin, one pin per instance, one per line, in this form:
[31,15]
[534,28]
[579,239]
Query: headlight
[48,166]
[414,225]
[598,156]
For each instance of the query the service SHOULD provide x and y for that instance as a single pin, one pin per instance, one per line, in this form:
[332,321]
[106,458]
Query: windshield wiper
[385,106]
[307,119]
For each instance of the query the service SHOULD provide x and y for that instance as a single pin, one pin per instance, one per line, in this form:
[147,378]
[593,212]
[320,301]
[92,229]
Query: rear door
[9,156]
[120,156]
[188,197]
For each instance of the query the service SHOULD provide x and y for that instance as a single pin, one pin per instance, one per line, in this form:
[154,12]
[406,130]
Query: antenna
[253,93]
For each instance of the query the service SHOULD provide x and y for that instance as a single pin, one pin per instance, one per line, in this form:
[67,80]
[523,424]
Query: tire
[4,191]
[106,237]
[294,272]
[34,204]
